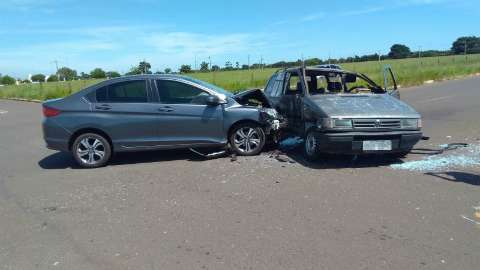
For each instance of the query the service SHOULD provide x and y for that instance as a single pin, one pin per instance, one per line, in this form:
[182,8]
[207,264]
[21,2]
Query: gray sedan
[151,112]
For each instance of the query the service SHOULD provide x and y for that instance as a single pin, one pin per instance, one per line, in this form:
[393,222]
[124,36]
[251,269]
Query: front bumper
[352,142]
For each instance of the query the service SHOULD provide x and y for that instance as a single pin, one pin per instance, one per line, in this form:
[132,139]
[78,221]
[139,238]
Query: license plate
[377,145]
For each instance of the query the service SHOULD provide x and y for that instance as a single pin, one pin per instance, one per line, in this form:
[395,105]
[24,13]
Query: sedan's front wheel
[247,139]
[91,150]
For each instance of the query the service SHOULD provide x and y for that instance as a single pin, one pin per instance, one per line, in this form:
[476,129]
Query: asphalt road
[172,210]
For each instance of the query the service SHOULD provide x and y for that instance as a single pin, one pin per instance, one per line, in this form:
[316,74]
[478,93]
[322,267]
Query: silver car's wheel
[91,150]
[247,139]
[311,145]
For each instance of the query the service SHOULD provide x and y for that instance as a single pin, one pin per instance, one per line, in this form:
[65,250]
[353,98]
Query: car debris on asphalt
[461,155]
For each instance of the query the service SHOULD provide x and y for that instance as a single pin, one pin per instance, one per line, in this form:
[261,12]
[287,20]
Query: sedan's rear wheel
[91,150]
[247,139]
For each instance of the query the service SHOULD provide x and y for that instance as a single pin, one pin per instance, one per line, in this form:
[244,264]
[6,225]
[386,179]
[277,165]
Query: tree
[168,70]
[185,69]
[84,76]
[245,66]
[7,80]
[134,71]
[473,45]
[237,65]
[215,68]
[113,74]
[144,67]
[38,78]
[66,73]
[52,78]
[204,67]
[228,65]
[98,73]
[398,51]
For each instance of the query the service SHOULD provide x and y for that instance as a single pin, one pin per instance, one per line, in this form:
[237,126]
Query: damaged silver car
[151,112]
[337,111]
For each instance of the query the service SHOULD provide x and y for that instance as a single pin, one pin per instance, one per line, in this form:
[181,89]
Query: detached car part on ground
[152,112]
[337,111]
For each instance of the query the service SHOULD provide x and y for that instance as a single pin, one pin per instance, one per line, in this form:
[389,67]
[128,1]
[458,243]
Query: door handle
[103,107]
[166,109]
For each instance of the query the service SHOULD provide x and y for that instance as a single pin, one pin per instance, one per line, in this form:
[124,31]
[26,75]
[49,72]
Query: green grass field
[409,72]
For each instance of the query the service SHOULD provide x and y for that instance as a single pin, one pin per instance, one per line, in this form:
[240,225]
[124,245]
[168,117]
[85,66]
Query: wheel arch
[89,130]
[243,121]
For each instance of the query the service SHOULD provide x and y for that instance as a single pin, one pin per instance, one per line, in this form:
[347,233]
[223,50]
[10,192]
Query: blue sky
[116,35]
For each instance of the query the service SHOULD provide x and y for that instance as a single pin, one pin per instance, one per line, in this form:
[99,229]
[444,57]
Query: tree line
[463,45]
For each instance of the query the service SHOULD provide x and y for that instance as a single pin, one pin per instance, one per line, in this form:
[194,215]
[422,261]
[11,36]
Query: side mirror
[213,100]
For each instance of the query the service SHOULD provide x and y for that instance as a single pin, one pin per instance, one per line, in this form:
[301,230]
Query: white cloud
[120,47]
[362,11]
[184,43]
[313,17]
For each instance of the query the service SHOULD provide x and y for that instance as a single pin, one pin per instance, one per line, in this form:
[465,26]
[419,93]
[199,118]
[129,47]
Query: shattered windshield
[321,83]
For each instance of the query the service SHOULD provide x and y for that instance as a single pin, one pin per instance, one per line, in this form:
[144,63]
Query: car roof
[322,69]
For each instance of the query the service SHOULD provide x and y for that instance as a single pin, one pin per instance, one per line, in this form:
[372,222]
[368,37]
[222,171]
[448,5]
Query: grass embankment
[409,72]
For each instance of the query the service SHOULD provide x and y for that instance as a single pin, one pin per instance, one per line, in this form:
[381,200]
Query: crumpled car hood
[363,105]
[255,94]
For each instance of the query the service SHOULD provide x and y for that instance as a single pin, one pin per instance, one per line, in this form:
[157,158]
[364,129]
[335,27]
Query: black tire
[97,144]
[239,145]
[310,146]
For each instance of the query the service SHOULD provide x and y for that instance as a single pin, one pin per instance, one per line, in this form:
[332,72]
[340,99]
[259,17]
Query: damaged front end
[272,120]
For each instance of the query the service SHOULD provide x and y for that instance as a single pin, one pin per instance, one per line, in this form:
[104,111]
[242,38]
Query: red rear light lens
[49,112]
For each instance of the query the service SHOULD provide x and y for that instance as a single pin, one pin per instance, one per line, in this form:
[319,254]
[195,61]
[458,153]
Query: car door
[124,111]
[390,82]
[274,89]
[291,103]
[183,116]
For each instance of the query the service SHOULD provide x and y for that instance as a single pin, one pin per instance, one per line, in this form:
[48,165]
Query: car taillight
[49,112]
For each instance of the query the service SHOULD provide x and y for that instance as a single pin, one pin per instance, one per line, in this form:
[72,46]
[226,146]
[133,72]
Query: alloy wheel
[91,151]
[247,140]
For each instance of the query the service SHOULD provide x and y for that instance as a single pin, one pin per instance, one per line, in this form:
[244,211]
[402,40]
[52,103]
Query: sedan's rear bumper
[352,142]
[56,137]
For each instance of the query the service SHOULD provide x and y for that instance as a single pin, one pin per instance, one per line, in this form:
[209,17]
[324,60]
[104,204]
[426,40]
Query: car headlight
[339,123]
[272,113]
[411,123]
[342,123]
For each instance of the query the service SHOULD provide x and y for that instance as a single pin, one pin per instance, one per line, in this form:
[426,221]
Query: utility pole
[465,47]
[210,62]
[56,66]
[195,62]
[248,62]
[261,62]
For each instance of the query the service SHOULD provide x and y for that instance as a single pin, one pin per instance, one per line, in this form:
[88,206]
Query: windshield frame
[374,87]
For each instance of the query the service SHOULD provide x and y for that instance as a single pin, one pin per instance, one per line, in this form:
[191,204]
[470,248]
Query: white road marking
[3,112]
[435,99]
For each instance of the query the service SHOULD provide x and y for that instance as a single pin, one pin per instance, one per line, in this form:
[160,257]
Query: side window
[173,92]
[278,85]
[102,94]
[294,85]
[124,92]
[270,84]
